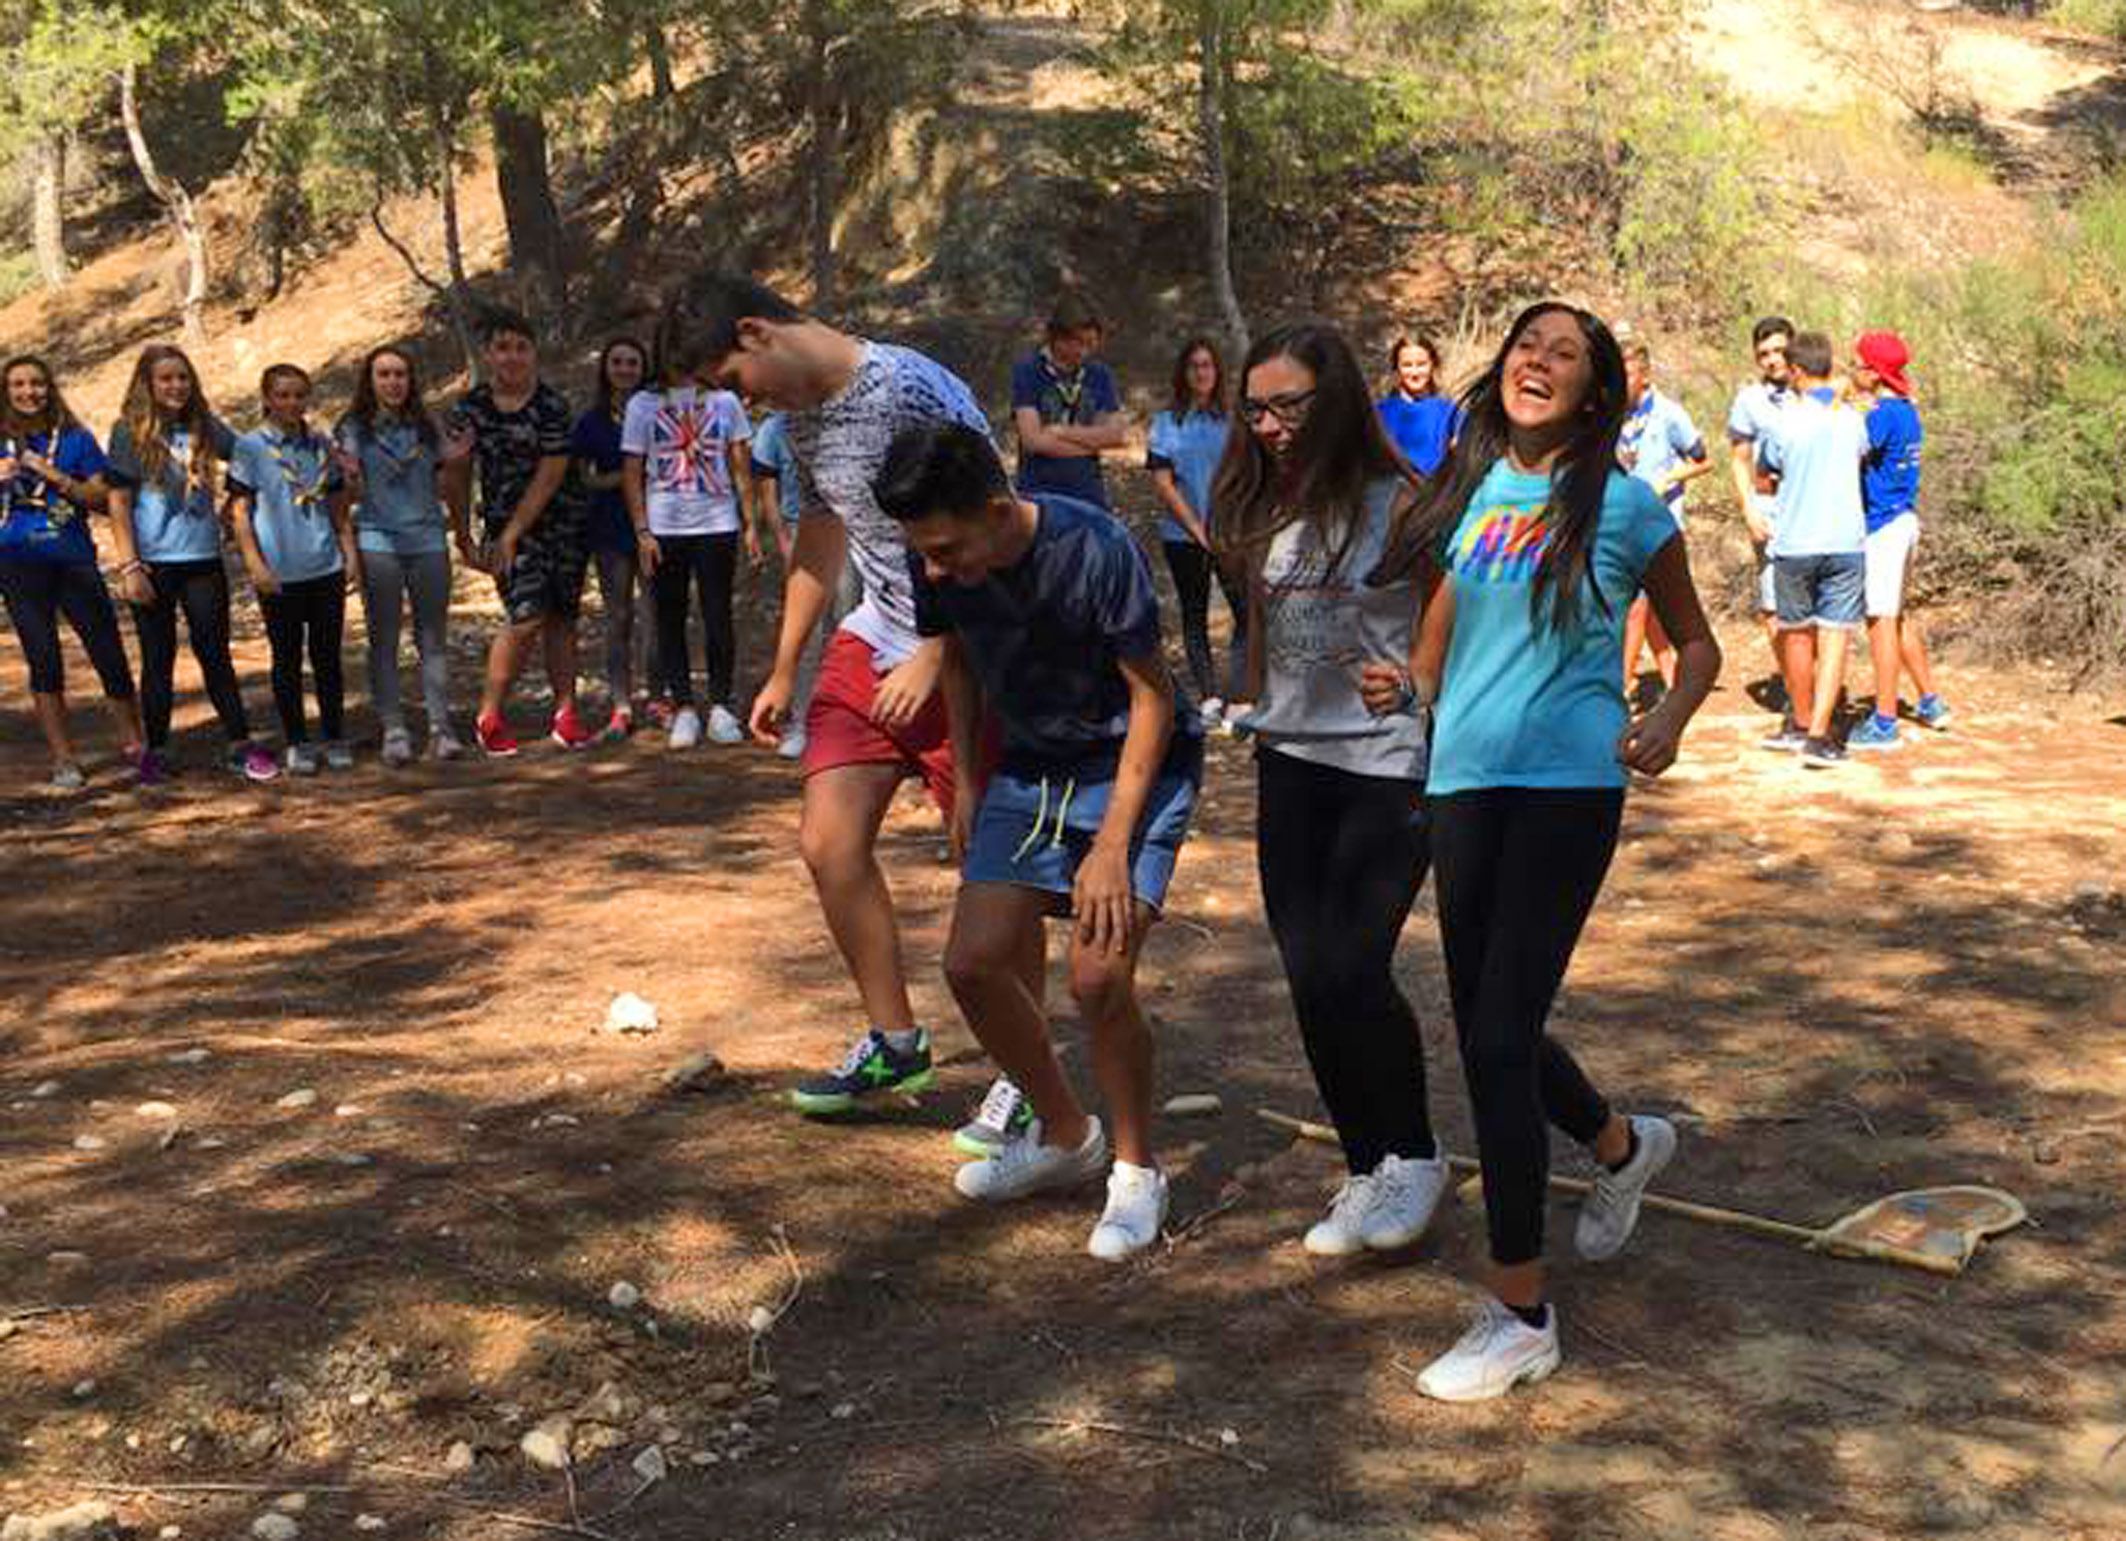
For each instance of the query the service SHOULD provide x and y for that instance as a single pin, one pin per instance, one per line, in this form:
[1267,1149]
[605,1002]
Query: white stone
[369,1522]
[88,1142]
[459,1458]
[1193,1105]
[623,1296]
[66,1259]
[83,1390]
[275,1527]
[292,1503]
[349,1110]
[85,1521]
[156,1110]
[630,1013]
[546,1444]
[45,1089]
[189,1057]
[843,1411]
[650,1464]
[301,1097]
[169,1533]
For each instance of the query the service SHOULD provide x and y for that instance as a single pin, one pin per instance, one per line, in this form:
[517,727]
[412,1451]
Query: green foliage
[2106,18]
[18,275]
[58,61]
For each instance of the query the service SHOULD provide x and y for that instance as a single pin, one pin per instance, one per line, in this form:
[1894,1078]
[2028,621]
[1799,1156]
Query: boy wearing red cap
[1890,496]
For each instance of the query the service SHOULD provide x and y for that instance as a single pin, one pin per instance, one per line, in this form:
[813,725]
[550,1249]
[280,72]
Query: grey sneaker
[398,747]
[1611,1211]
[445,745]
[338,756]
[68,777]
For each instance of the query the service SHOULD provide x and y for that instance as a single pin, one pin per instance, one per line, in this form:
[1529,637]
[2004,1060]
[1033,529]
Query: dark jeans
[37,594]
[1341,858]
[312,611]
[1193,568]
[687,564]
[1516,871]
[201,591]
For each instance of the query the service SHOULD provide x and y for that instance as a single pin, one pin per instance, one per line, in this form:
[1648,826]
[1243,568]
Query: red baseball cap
[1887,355]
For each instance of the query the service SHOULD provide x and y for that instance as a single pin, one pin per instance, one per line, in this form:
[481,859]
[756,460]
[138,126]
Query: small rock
[349,1110]
[301,1097]
[459,1458]
[359,1399]
[1897,844]
[89,1520]
[546,1444]
[623,1296]
[369,1522]
[211,1142]
[8,1328]
[273,1526]
[1229,1437]
[695,1073]
[1193,1105]
[352,1158]
[843,1411]
[169,1533]
[630,1013]
[67,1259]
[703,1458]
[83,1390]
[189,1057]
[2046,1155]
[89,1142]
[45,1089]
[292,1503]
[759,1320]
[156,1110]
[2091,893]
[575,1078]
[650,1464]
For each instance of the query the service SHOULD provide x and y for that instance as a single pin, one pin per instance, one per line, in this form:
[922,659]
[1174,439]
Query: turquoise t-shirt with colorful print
[1523,703]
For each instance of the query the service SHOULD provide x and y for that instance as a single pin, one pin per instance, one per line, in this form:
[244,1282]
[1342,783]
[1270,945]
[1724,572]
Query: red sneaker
[494,735]
[569,731]
[621,725]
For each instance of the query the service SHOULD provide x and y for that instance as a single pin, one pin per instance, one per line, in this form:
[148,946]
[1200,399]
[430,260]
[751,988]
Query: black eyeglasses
[1288,410]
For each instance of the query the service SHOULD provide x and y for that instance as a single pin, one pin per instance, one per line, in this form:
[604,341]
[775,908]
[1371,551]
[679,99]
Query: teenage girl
[1185,444]
[623,366]
[1539,542]
[51,480]
[1419,418]
[165,473]
[391,454]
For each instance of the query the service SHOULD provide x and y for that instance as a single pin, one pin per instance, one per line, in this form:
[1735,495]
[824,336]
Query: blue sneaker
[1878,732]
[872,1068]
[1932,712]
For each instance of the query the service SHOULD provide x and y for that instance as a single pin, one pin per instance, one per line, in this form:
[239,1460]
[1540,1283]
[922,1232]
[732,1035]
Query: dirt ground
[1903,973]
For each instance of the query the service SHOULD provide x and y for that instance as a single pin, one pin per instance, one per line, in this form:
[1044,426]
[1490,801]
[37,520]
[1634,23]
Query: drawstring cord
[1033,836]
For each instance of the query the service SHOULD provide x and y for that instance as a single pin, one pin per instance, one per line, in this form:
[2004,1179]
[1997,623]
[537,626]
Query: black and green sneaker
[872,1068]
[1004,1116]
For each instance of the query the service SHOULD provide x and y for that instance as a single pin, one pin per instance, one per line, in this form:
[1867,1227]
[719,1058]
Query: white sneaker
[724,728]
[1405,1193]
[398,747]
[445,745]
[1340,1233]
[1136,1208]
[1026,1166]
[792,746]
[1497,1353]
[1608,1214]
[1213,714]
[685,731]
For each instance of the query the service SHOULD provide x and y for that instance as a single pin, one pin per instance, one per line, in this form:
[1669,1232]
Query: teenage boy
[1889,488]
[1048,616]
[1755,413]
[876,716]
[1819,535]
[1662,447]
[514,429]
[684,474]
[1065,408]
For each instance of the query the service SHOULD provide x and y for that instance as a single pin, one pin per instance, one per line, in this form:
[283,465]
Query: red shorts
[839,729]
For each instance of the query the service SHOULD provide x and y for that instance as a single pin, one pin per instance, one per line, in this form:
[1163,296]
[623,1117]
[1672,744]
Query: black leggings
[201,590]
[37,594]
[686,563]
[312,611]
[1516,870]
[1341,858]
[1193,568]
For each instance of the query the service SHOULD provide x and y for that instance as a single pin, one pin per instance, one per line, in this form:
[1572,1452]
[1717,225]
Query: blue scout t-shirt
[400,514]
[1817,446]
[1422,427]
[1523,703]
[291,479]
[1044,635]
[1189,444]
[174,518]
[1076,400]
[596,439]
[1889,477]
[770,454]
[1659,437]
[38,522]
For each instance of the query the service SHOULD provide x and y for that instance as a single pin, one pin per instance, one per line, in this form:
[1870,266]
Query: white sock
[905,1043]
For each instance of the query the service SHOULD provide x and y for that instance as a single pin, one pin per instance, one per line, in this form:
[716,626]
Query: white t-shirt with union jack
[683,437]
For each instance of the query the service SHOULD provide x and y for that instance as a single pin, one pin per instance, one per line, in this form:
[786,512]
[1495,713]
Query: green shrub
[18,275]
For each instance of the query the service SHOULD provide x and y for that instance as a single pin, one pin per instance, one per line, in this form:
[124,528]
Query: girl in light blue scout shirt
[1538,542]
[289,504]
[165,470]
[390,452]
[1185,444]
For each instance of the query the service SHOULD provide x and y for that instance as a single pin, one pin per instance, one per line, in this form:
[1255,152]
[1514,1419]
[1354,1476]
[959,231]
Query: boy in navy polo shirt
[1066,409]
[1050,619]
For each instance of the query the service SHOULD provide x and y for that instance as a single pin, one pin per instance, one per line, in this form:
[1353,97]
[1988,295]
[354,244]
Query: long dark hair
[1340,451]
[366,408]
[602,393]
[144,421]
[1184,396]
[1577,482]
[58,416]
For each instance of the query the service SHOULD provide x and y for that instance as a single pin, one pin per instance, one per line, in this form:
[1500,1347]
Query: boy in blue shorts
[1050,620]
[1819,536]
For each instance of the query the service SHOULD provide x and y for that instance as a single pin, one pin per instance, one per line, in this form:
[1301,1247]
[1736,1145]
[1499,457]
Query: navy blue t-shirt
[1045,634]
[596,439]
[1072,401]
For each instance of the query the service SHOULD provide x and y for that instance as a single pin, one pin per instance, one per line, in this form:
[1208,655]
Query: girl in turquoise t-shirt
[1538,544]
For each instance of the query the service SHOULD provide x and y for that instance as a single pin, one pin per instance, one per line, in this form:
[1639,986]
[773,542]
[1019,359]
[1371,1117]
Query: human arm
[1649,745]
[1411,683]
[341,505]
[816,558]
[89,493]
[1036,438]
[1742,465]
[634,493]
[242,504]
[454,486]
[531,508]
[1109,431]
[963,710]
[133,580]
[740,462]
[1102,897]
[908,685]
[1169,490]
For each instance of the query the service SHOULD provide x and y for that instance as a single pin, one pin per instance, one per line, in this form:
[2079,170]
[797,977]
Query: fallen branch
[1155,1436]
[27,1313]
[1203,1217]
[343,1490]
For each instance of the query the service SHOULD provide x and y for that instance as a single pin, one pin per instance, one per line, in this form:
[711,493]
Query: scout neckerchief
[1635,422]
[1070,390]
[39,496]
[398,465]
[306,489]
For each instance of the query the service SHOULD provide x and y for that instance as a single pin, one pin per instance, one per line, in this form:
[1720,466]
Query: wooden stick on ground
[1731,1219]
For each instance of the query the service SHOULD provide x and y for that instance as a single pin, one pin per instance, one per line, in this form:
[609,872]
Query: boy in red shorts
[876,714]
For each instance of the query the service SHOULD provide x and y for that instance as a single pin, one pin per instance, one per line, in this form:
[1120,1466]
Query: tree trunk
[525,180]
[454,248]
[176,202]
[821,168]
[1210,127]
[48,219]
[659,49]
